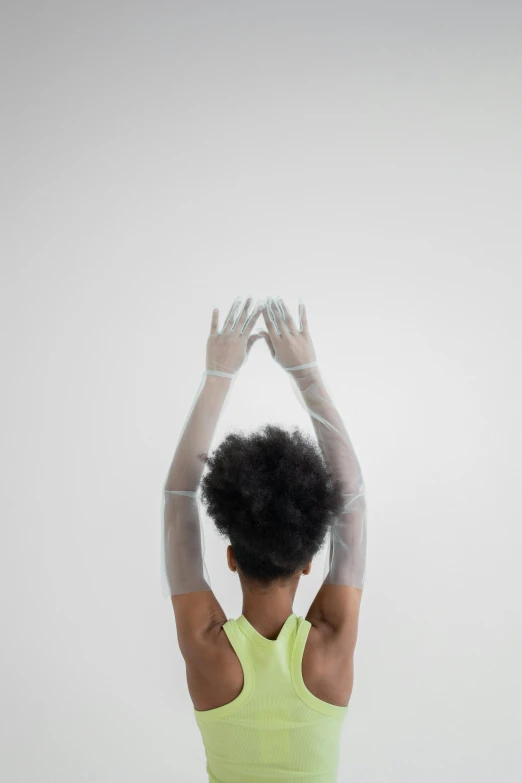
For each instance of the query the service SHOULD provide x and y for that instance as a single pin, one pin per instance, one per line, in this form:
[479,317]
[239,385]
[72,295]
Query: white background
[160,159]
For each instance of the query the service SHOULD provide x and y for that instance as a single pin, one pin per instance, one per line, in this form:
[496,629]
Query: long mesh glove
[183,563]
[292,348]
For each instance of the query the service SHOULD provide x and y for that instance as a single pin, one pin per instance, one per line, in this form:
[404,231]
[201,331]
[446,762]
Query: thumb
[268,340]
[251,340]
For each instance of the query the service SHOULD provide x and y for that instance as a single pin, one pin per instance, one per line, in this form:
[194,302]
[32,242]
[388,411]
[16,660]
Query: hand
[289,346]
[228,349]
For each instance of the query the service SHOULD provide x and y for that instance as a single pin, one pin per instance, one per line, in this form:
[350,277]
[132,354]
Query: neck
[268,608]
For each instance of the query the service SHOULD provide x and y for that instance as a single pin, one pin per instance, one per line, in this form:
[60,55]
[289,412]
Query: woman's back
[276,728]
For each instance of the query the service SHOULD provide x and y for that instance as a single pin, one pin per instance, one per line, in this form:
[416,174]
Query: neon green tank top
[276,729]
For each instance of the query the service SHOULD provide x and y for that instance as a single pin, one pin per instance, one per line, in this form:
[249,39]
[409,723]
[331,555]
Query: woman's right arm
[338,600]
[346,560]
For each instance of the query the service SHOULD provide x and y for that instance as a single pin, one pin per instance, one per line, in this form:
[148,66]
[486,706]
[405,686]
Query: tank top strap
[240,645]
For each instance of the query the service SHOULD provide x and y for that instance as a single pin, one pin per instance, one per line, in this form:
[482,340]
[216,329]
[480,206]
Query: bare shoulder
[328,656]
[328,666]
[197,616]
[214,672]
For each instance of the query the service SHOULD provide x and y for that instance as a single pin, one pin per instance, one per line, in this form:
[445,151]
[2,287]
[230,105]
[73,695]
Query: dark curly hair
[273,496]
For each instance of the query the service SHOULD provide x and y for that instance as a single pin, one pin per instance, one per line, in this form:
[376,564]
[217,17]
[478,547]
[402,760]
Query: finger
[288,318]
[268,341]
[303,317]
[276,315]
[252,321]
[214,322]
[272,331]
[251,340]
[229,321]
[276,304]
[243,316]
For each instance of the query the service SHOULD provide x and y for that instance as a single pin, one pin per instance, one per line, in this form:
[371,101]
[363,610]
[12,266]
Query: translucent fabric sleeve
[346,560]
[183,568]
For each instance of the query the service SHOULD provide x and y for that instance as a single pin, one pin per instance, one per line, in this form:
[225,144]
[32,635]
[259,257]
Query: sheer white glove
[228,349]
[293,349]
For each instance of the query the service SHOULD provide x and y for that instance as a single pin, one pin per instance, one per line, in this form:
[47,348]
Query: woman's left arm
[187,581]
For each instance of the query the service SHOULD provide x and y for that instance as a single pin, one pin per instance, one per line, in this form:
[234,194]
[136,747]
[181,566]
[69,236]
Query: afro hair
[272,495]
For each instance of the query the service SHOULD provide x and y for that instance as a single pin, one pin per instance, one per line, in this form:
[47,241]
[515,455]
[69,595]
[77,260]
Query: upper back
[276,728]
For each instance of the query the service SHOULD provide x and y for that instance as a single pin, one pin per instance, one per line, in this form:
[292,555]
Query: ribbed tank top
[276,729]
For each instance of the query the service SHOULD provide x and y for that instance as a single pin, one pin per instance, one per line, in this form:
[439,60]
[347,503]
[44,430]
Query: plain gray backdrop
[161,158]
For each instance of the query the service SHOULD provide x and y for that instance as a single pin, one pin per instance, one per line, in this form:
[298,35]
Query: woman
[270,690]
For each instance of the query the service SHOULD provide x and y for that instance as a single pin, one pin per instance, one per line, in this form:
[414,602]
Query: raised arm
[346,559]
[185,576]
[345,564]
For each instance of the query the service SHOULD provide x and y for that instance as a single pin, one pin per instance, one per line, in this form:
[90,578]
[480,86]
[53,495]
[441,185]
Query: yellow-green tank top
[276,729]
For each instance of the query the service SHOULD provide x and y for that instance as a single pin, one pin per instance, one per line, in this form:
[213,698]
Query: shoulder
[213,647]
[328,665]
[199,618]
[334,614]
[209,653]
[214,672]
